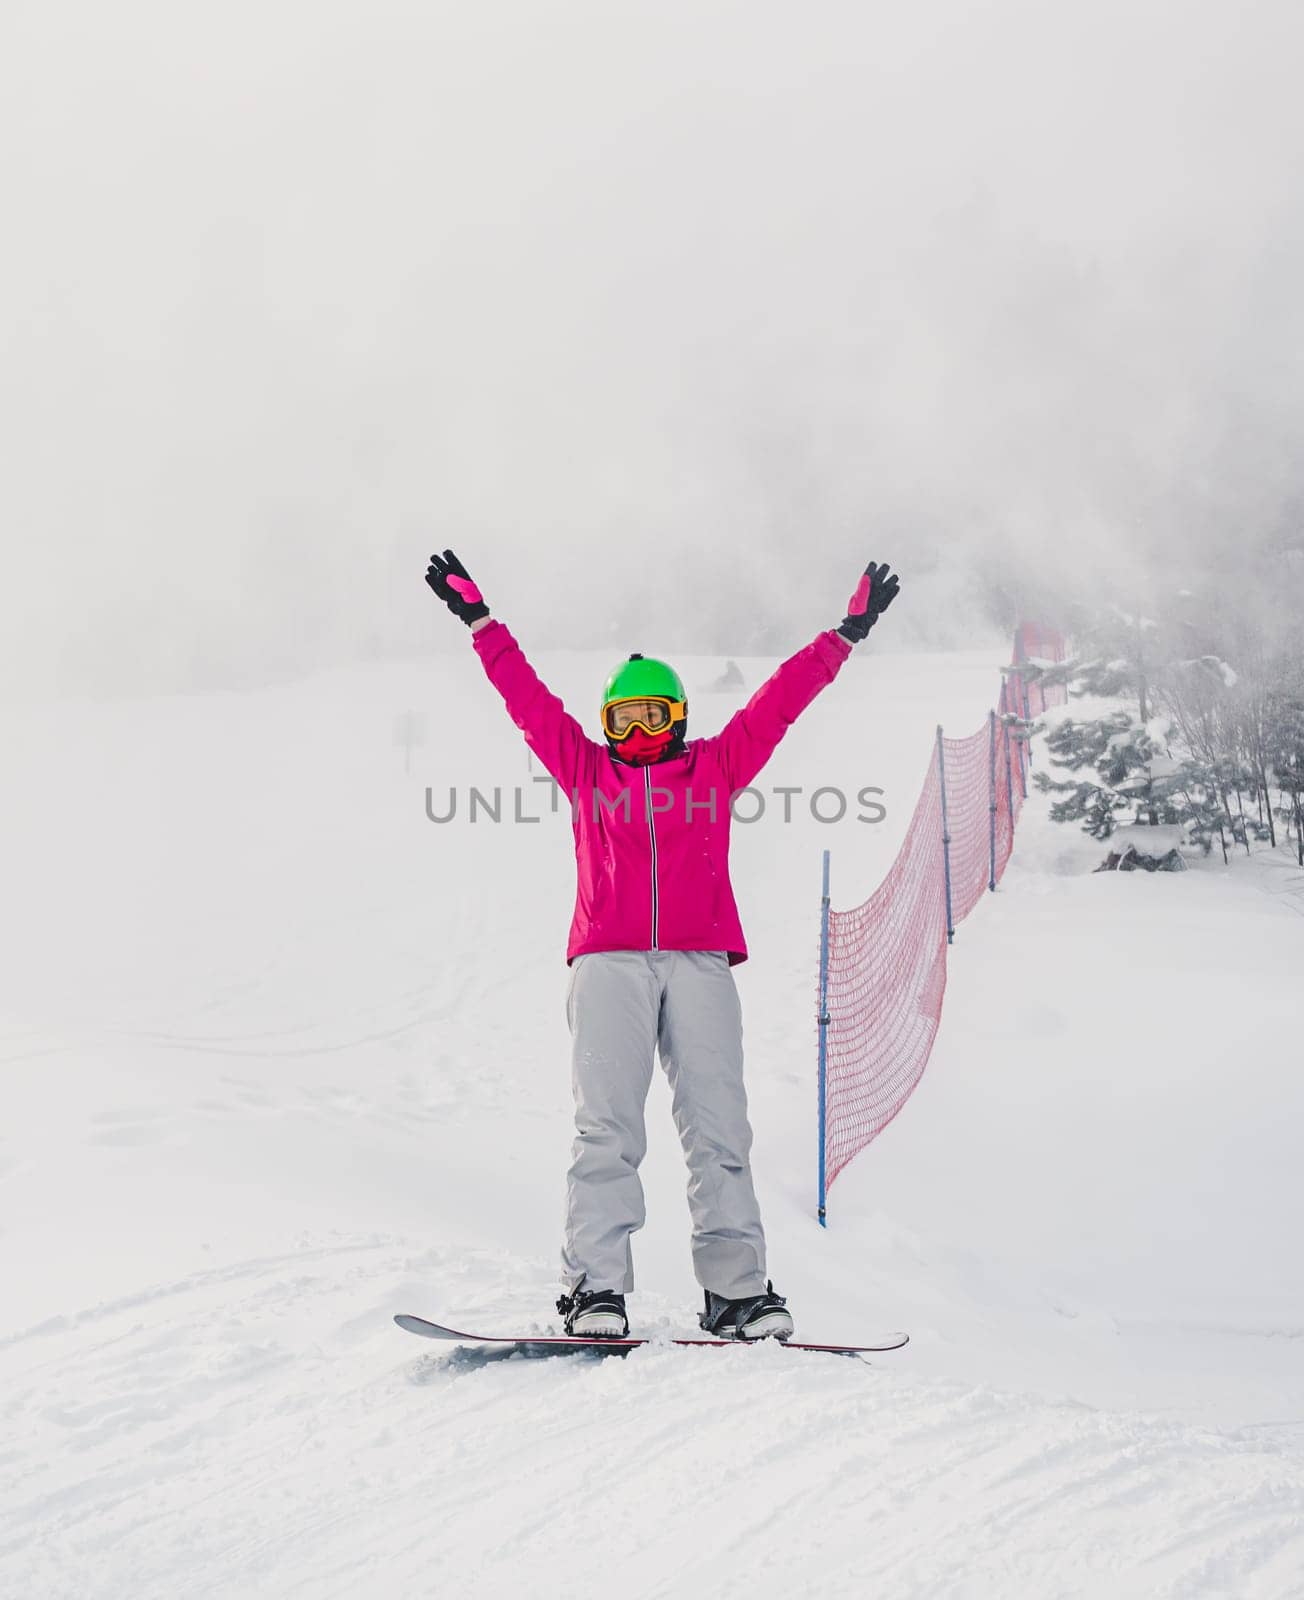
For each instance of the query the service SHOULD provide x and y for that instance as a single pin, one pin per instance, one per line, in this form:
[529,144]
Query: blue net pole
[823,1019]
[946,838]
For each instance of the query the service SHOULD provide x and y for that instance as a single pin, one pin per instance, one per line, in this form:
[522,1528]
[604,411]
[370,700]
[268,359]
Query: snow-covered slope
[282,1057]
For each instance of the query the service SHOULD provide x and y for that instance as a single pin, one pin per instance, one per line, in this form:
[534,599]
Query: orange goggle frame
[619,716]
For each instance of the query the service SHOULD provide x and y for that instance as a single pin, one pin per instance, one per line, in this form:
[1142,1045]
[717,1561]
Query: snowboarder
[654,936]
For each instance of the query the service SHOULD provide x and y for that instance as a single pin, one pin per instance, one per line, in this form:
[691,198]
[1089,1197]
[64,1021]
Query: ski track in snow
[257,1431]
[260,1103]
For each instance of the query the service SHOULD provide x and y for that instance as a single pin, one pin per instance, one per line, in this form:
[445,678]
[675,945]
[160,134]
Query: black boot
[594,1314]
[759,1316]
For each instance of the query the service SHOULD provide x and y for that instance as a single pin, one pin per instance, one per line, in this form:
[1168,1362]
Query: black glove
[448,578]
[874,594]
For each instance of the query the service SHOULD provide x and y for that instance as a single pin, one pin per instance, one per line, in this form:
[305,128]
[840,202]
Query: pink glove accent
[859,601]
[466,589]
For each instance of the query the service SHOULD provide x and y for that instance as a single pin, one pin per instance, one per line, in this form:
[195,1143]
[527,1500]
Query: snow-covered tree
[1210,729]
[1133,772]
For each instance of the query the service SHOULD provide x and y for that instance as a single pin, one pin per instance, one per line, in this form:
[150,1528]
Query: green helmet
[639,677]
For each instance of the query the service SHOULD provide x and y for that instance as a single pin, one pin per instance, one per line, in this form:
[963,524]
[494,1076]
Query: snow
[1212,667]
[282,1058]
[1151,839]
[1141,623]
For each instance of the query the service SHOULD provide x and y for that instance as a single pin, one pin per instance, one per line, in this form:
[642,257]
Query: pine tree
[1131,770]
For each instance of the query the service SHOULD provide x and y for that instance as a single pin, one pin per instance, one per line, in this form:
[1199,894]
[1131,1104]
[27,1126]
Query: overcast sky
[666,316]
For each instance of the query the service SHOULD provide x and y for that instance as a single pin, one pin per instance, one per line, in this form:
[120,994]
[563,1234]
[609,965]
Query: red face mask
[641,748]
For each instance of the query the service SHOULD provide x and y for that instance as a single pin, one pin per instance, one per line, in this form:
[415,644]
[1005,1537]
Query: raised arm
[550,730]
[749,738]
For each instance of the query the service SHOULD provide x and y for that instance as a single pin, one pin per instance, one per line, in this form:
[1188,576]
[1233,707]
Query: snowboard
[560,1344]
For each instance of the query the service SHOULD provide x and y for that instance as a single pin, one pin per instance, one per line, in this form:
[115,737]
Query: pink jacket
[652,843]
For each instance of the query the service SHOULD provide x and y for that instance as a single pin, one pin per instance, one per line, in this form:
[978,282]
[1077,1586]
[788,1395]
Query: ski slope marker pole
[823,1020]
[991,789]
[1023,709]
[946,837]
[1019,706]
[1027,742]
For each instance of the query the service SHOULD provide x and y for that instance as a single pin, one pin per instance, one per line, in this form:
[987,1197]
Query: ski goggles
[652,713]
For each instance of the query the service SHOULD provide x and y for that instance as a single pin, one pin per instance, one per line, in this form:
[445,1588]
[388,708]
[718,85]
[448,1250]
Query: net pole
[1025,745]
[1024,759]
[991,790]
[946,838]
[823,1020]
[1018,708]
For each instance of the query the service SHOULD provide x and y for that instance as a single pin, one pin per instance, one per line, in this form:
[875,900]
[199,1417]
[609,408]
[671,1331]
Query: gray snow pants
[622,1006]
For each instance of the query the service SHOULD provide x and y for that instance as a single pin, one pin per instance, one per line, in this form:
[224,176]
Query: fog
[666,317]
